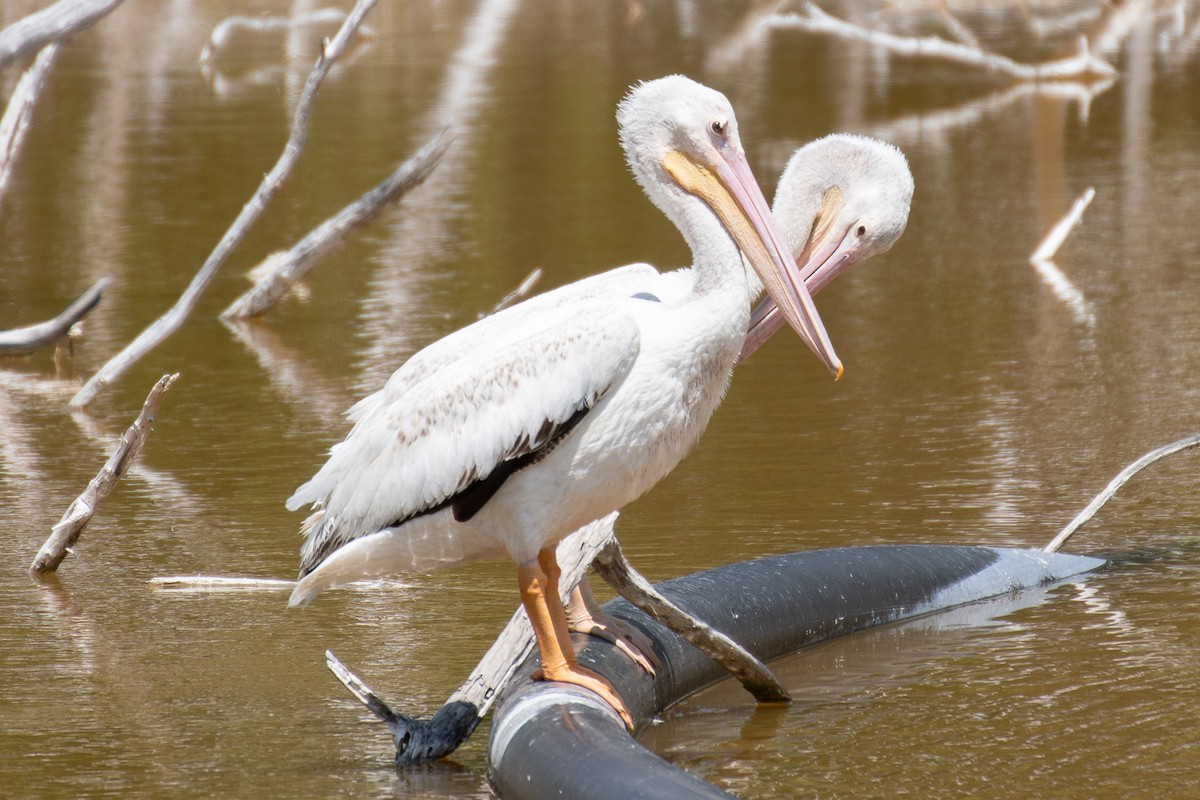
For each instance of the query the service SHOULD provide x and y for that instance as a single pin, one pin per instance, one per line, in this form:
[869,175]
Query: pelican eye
[718,127]
[862,230]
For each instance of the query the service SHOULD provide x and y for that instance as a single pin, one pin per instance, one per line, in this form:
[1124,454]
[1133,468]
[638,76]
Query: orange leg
[539,595]
[584,615]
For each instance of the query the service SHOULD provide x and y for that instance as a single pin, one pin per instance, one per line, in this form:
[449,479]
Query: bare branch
[1051,275]
[753,674]
[63,19]
[23,341]
[1082,64]
[15,123]
[224,30]
[1115,484]
[518,294]
[171,321]
[1058,234]
[80,512]
[290,267]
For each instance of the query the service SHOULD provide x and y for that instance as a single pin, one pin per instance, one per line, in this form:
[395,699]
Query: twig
[1115,484]
[23,341]
[1051,275]
[290,267]
[1058,234]
[612,565]
[63,19]
[519,293]
[15,123]
[80,512]
[216,582]
[171,321]
[1082,64]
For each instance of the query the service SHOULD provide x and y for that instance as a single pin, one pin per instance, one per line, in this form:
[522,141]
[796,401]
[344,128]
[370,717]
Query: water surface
[979,405]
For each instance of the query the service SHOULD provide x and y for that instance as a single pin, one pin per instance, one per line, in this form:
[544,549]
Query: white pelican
[841,200]
[561,417]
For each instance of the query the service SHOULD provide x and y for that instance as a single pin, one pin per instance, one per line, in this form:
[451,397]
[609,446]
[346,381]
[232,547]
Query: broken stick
[288,268]
[80,512]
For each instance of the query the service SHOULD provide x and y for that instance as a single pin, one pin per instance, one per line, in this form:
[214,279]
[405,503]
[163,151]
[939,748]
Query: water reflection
[977,407]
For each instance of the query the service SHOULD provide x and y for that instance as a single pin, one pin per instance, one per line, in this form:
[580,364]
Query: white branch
[1058,234]
[171,321]
[80,512]
[221,34]
[286,269]
[1115,484]
[814,20]
[15,122]
[32,33]
[1043,261]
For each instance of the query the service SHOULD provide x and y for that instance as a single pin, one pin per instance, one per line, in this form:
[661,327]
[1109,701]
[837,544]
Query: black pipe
[552,740]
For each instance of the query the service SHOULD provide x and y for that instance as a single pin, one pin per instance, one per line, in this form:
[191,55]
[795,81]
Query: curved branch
[23,341]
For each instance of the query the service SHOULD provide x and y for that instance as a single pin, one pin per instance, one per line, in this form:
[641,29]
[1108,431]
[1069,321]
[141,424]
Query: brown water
[979,407]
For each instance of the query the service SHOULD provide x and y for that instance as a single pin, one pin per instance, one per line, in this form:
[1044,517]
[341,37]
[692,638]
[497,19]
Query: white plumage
[521,428]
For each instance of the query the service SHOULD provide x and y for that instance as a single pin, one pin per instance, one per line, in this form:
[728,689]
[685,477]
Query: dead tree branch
[80,512]
[612,565]
[1116,483]
[1082,64]
[1042,260]
[63,19]
[15,122]
[23,341]
[225,29]
[288,268]
[171,321]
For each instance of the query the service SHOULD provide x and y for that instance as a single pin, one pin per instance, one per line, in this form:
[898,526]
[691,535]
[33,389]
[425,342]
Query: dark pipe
[551,740]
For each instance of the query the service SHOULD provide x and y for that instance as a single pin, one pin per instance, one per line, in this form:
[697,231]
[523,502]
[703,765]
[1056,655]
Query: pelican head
[846,198]
[681,141]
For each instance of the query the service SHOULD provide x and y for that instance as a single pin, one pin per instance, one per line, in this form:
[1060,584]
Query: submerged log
[555,740]
[23,341]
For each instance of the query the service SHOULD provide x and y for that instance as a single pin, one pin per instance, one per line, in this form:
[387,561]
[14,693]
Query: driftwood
[1043,261]
[15,122]
[1116,483]
[23,341]
[225,29]
[758,680]
[63,19]
[171,321]
[80,512]
[1083,64]
[288,268]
